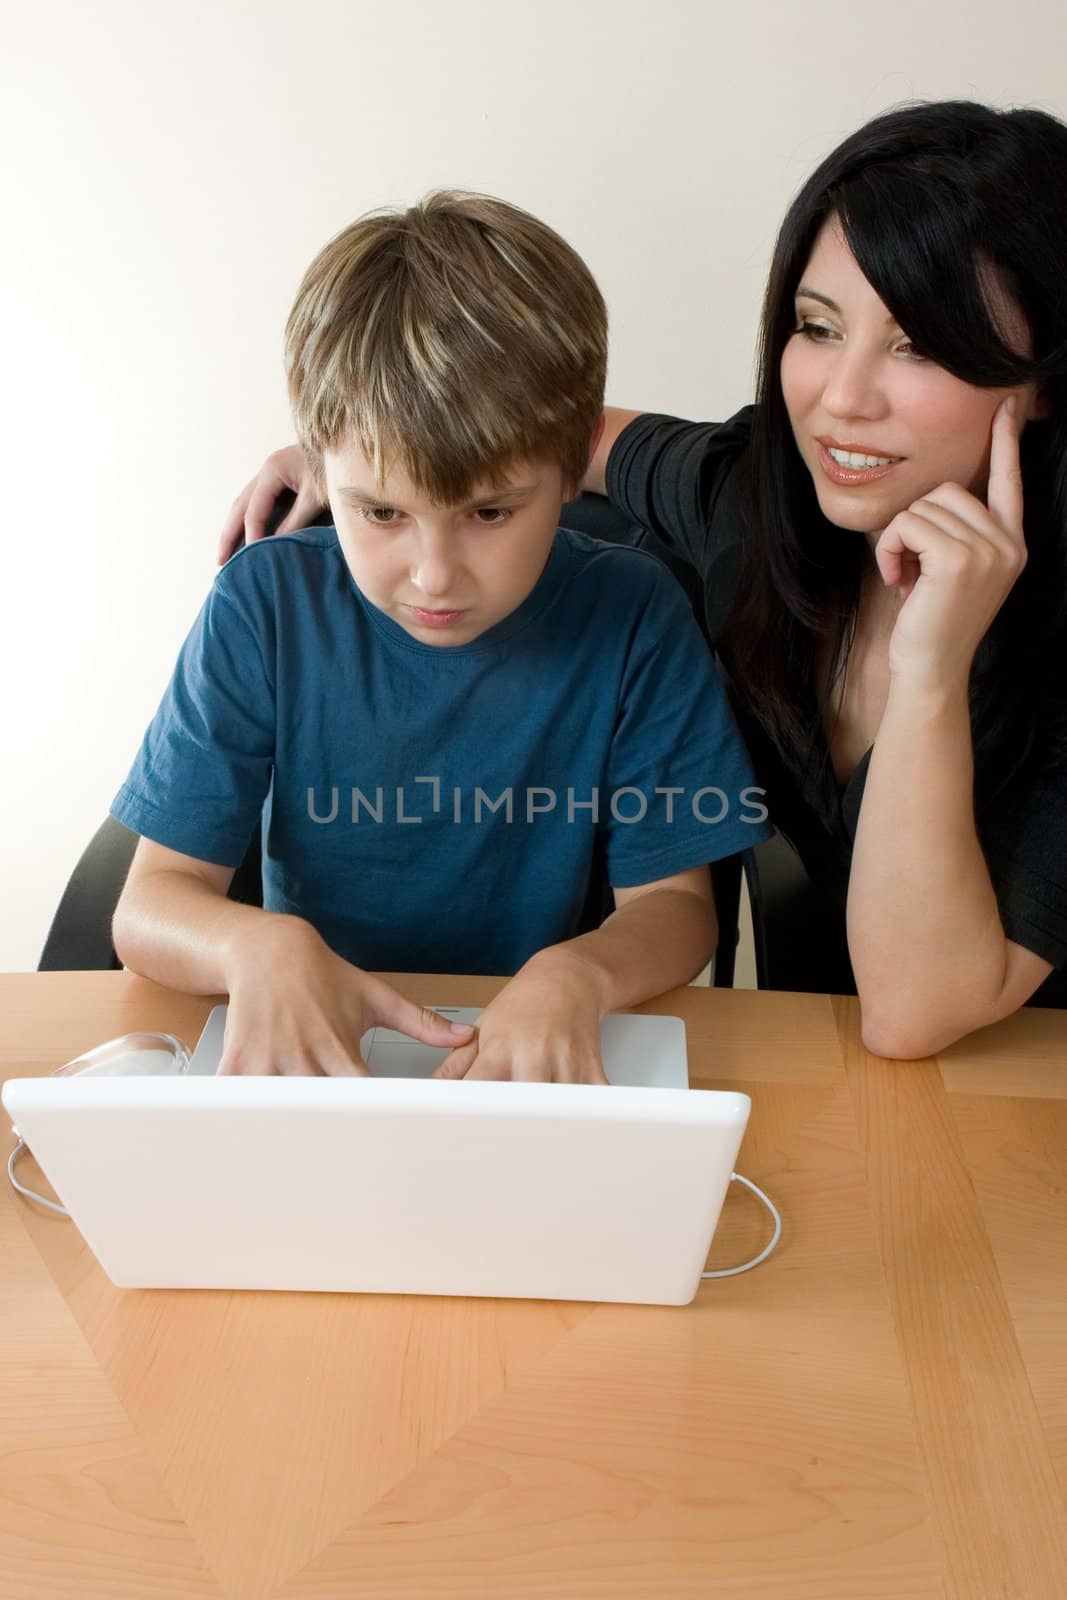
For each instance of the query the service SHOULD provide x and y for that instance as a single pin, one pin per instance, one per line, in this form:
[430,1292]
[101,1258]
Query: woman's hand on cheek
[541,1028]
[955,561]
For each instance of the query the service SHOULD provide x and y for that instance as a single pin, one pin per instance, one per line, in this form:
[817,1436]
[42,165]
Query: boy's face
[445,573]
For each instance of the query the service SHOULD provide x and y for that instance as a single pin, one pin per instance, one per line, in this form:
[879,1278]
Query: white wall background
[168,173]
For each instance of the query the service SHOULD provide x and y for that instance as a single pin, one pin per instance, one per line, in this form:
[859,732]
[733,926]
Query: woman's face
[876,424]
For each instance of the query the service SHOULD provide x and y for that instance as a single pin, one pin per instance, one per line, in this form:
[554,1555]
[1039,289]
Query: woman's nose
[853,387]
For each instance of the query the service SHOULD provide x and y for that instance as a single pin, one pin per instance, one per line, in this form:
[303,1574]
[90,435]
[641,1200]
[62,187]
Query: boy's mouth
[435,619]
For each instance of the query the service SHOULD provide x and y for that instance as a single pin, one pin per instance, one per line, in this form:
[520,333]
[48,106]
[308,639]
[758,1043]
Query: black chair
[79,939]
[799,945]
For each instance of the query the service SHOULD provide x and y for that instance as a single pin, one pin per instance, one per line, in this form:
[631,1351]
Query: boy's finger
[458,1063]
[351,1066]
[488,1068]
[1005,496]
[391,1010]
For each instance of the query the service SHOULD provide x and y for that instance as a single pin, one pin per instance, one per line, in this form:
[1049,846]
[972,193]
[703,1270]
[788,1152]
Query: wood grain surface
[877,1413]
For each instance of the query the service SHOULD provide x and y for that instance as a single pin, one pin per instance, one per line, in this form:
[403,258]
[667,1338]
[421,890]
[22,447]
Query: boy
[442,706]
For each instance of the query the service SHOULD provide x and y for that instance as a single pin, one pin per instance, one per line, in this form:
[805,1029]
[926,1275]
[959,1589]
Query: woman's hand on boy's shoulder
[543,1027]
[284,470]
[297,1009]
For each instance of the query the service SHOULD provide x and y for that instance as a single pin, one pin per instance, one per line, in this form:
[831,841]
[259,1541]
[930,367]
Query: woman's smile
[853,468]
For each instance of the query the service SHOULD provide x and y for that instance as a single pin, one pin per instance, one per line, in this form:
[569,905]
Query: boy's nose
[433,573]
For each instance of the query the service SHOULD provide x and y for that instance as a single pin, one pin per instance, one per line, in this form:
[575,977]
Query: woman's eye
[817,332]
[491,516]
[910,351]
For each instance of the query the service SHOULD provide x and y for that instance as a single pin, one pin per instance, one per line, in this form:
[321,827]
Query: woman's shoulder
[681,481]
[684,441]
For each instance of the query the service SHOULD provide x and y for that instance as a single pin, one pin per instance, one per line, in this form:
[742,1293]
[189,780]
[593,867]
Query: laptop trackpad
[638,1052]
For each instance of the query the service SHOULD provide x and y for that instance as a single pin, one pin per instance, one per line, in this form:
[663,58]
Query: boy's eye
[491,516]
[380,516]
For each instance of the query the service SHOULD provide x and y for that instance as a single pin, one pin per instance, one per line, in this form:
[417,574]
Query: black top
[682,482]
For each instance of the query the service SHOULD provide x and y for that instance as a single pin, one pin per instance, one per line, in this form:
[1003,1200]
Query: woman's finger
[986,543]
[971,512]
[303,510]
[234,527]
[268,486]
[907,539]
[1005,494]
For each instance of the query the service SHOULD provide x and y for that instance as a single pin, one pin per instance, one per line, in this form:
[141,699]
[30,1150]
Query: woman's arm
[615,420]
[929,951]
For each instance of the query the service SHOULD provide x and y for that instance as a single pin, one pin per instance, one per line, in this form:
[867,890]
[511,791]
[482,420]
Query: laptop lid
[388,1184]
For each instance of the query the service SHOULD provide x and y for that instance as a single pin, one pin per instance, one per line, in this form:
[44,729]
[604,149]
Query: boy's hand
[544,1027]
[285,469]
[297,1009]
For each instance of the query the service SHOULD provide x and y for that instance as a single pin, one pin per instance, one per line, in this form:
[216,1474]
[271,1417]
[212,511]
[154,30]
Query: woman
[882,543]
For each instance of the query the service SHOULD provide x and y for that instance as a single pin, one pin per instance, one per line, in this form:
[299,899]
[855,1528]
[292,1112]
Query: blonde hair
[452,339]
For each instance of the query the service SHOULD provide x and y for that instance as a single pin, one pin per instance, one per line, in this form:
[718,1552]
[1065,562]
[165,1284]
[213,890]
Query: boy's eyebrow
[804,293]
[510,491]
[363,498]
[492,497]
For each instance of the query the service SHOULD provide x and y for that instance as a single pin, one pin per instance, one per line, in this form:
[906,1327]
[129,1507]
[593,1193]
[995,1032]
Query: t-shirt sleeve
[680,788]
[668,475]
[1026,849]
[204,769]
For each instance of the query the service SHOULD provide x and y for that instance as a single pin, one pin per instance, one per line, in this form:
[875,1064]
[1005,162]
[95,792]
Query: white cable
[30,1195]
[731,1272]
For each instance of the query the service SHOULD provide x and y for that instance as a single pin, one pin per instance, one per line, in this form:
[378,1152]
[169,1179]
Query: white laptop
[396,1183]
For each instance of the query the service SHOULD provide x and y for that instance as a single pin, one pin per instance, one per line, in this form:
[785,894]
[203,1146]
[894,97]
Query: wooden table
[877,1413]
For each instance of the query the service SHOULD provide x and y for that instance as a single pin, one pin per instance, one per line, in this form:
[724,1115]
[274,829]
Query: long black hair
[929,197]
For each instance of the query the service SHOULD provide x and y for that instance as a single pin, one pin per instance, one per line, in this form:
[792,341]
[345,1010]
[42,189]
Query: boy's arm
[295,1006]
[660,935]
[173,922]
[545,1025]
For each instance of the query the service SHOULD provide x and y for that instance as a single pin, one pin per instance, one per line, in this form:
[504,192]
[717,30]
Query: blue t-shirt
[436,809]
